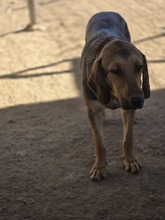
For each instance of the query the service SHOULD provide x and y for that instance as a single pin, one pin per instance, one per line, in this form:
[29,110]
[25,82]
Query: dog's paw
[97,172]
[132,166]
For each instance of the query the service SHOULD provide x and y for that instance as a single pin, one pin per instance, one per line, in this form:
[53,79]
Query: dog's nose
[137,102]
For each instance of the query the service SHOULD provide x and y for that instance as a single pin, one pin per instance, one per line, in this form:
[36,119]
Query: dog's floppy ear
[97,82]
[145,85]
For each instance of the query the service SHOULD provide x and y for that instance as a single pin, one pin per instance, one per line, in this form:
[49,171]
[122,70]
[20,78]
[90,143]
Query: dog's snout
[137,102]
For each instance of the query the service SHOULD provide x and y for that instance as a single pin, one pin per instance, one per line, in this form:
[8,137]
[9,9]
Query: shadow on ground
[47,150]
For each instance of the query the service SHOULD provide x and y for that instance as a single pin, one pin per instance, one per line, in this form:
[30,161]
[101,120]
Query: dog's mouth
[132,104]
[114,103]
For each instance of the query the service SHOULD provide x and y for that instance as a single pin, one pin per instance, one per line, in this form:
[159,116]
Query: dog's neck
[99,44]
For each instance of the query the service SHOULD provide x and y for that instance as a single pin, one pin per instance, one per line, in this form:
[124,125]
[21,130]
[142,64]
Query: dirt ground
[46,145]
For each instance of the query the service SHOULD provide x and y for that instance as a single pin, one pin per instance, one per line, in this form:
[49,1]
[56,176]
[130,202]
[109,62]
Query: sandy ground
[46,145]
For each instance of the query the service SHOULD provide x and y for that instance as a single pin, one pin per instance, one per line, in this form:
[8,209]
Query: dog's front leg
[98,170]
[130,163]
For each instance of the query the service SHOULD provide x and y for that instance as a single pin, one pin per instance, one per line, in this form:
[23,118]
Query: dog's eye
[115,71]
[138,67]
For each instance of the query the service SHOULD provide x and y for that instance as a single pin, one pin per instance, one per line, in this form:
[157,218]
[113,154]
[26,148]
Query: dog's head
[121,71]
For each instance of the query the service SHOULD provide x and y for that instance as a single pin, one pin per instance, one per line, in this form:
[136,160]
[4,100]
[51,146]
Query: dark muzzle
[136,102]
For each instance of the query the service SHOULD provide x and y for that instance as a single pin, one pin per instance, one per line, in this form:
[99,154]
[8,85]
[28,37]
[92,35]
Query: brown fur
[115,74]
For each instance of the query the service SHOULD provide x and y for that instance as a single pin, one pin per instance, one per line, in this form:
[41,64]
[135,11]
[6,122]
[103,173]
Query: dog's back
[105,25]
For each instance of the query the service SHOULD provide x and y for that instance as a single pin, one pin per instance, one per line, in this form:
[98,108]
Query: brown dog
[115,74]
